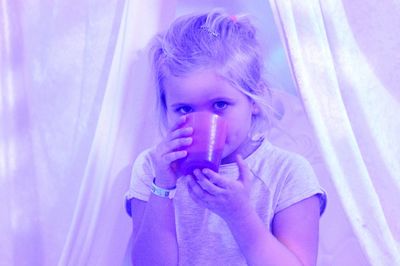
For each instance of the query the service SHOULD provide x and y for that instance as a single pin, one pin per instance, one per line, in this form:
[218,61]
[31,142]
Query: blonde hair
[218,41]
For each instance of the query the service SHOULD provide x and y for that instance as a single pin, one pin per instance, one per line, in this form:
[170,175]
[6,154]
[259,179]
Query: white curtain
[72,121]
[76,108]
[345,61]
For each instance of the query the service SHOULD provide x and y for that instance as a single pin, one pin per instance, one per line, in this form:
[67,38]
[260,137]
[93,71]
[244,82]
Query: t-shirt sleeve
[141,177]
[300,183]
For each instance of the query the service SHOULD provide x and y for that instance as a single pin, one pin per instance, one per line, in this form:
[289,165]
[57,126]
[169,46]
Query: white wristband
[162,192]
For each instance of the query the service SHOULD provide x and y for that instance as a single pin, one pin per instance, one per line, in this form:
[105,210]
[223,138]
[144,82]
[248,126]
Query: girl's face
[206,91]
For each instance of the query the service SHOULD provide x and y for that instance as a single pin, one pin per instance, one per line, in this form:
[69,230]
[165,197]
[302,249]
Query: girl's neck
[245,149]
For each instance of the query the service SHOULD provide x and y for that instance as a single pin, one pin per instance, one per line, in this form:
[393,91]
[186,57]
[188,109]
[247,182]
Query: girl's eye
[221,105]
[184,109]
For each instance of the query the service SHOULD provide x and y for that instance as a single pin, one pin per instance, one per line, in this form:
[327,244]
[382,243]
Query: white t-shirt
[280,179]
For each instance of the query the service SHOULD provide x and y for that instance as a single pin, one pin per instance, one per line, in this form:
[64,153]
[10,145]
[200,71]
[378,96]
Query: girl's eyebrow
[226,99]
[216,99]
[178,104]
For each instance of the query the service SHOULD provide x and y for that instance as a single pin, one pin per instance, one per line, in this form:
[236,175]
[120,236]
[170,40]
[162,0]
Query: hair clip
[210,32]
[233,18]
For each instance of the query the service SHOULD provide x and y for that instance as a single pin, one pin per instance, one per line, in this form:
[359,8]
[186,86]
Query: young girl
[263,205]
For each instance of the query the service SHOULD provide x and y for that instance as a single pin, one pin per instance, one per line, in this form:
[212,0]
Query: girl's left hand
[228,198]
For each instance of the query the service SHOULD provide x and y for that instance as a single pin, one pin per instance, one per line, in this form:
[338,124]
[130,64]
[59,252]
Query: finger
[197,189]
[191,185]
[244,171]
[206,184]
[196,193]
[178,123]
[216,178]
[173,156]
[176,144]
[181,132]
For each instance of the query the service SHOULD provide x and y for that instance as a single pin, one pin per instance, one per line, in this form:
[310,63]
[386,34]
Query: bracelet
[162,192]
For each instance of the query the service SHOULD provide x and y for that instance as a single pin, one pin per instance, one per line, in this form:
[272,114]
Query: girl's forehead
[198,85]
[205,75]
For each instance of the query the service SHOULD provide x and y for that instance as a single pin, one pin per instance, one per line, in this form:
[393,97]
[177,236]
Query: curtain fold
[118,133]
[352,111]
[16,147]
[71,123]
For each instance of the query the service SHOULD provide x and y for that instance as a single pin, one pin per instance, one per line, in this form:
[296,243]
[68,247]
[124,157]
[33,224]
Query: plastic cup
[209,134]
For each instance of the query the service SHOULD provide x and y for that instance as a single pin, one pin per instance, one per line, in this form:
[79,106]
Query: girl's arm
[154,235]
[154,229]
[294,237]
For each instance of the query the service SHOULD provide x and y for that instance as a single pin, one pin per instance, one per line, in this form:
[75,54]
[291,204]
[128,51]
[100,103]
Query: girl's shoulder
[143,156]
[270,154]
[277,167]
[143,164]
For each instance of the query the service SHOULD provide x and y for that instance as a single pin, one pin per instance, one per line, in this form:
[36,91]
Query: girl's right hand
[170,150]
